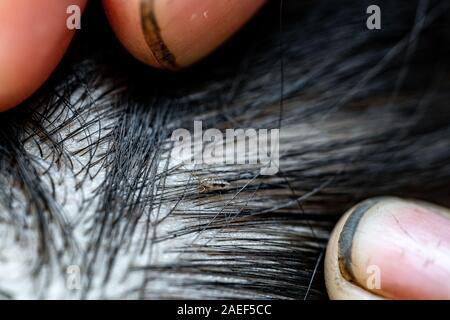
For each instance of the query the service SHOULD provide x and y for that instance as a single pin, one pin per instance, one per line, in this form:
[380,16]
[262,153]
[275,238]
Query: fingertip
[339,286]
[125,19]
[392,249]
[173,34]
[33,38]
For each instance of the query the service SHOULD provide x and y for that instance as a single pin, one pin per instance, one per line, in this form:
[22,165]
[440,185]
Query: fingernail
[181,32]
[172,34]
[153,36]
[397,249]
[33,38]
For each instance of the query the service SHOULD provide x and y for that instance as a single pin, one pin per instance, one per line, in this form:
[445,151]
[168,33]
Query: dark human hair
[86,176]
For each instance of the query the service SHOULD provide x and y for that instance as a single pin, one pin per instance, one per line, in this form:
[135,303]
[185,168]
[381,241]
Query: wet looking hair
[86,178]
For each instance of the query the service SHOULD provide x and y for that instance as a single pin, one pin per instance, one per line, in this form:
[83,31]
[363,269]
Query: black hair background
[381,96]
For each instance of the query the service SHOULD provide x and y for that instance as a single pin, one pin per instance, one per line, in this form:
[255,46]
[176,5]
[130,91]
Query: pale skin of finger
[390,248]
[33,39]
[173,34]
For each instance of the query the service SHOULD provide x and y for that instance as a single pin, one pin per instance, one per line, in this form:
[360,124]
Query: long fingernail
[397,249]
[181,32]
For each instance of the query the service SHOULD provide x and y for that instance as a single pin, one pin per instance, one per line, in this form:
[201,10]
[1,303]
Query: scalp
[86,178]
